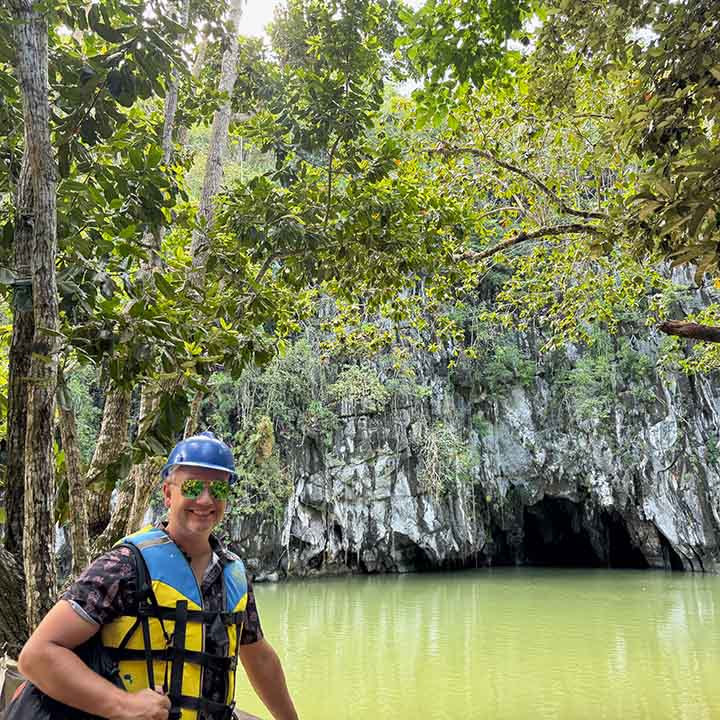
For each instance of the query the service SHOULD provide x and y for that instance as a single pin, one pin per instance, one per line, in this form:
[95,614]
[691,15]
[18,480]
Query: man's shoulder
[115,564]
[119,557]
[230,556]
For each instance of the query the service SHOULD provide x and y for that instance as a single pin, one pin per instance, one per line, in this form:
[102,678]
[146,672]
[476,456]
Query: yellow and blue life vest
[165,643]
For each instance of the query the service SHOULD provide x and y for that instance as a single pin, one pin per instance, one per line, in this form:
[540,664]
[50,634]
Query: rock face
[630,479]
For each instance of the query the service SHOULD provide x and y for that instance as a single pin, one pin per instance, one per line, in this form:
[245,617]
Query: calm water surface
[505,644]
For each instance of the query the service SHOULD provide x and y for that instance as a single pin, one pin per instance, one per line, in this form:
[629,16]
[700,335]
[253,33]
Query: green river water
[501,644]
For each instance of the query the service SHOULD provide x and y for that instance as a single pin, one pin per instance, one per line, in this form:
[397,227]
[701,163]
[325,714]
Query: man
[176,645]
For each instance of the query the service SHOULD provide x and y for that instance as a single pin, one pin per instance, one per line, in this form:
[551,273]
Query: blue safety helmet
[203,450]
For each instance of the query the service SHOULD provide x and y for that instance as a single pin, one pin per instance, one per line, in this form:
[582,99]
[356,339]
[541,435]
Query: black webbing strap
[219,711]
[147,652]
[128,635]
[219,663]
[178,650]
[145,597]
[206,617]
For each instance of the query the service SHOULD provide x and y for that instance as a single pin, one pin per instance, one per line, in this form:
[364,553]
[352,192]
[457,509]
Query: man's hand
[144,705]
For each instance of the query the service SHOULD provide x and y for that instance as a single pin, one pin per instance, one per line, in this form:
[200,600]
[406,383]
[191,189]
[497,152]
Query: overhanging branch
[691,330]
[548,231]
[447,150]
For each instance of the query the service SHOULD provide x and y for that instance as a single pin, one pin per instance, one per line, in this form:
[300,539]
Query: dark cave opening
[555,534]
[410,556]
[670,556]
[621,551]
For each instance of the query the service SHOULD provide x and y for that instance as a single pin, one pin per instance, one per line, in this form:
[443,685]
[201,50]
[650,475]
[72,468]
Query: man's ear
[166,494]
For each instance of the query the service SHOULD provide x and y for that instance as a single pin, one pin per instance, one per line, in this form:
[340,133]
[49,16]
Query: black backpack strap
[178,652]
[217,710]
[145,598]
[206,617]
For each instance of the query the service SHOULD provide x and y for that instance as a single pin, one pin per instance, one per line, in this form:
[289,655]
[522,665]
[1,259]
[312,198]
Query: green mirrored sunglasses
[192,488]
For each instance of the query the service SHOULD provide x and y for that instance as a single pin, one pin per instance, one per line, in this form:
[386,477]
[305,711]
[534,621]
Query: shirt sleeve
[106,589]
[252,631]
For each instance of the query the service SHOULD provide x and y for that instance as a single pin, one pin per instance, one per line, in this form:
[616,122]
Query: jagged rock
[640,487]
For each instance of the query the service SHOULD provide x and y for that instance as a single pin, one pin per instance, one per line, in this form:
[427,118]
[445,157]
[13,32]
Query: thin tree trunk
[79,543]
[117,527]
[31,41]
[171,98]
[217,150]
[19,364]
[135,489]
[146,479]
[13,625]
[184,131]
[144,476]
[111,442]
[191,425]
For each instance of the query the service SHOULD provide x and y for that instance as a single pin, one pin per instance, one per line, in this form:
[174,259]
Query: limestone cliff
[620,468]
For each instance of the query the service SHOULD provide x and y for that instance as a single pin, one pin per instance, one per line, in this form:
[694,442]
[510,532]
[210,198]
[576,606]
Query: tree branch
[330,181]
[447,150]
[549,231]
[690,330]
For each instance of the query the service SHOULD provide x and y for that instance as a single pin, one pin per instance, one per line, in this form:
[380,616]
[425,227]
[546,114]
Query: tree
[660,59]
[91,75]
[670,62]
[31,44]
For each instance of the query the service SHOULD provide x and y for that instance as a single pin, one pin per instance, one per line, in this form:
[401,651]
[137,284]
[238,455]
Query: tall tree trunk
[76,482]
[31,45]
[13,625]
[139,476]
[184,130]
[217,150]
[117,527]
[145,475]
[19,363]
[111,441]
[146,479]
[191,424]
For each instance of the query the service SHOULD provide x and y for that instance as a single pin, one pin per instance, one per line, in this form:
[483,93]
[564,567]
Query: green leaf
[155,154]
[164,286]
[108,33]
[137,159]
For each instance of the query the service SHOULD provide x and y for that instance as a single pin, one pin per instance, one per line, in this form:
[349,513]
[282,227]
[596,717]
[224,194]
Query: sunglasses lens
[219,489]
[192,488]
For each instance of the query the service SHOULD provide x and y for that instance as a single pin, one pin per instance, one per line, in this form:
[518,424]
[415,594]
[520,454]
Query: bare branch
[330,180]
[497,211]
[690,330]
[447,150]
[549,231]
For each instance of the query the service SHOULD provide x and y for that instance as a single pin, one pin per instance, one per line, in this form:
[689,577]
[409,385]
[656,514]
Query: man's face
[193,515]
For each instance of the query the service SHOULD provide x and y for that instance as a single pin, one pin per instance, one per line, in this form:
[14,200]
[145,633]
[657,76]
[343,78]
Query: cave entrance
[553,535]
[409,556]
[670,556]
[621,551]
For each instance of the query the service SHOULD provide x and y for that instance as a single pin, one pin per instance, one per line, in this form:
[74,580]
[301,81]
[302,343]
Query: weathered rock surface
[638,487]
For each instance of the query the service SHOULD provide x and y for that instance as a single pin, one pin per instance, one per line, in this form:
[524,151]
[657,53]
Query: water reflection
[508,644]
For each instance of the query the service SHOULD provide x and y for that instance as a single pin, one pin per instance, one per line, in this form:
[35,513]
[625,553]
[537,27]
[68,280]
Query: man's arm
[48,661]
[266,675]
